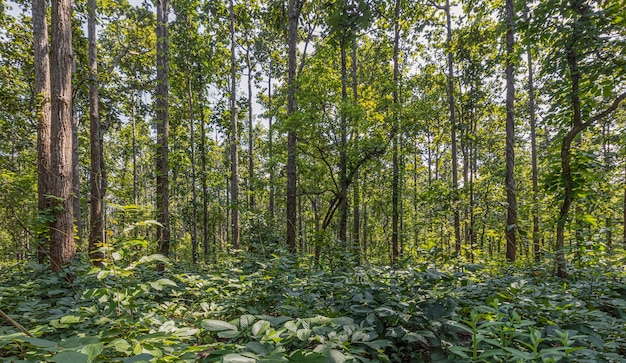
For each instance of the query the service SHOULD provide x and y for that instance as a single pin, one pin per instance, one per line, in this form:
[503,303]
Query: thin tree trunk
[234,142]
[205,188]
[511,217]
[356,242]
[62,247]
[250,130]
[608,220]
[134,145]
[343,153]
[395,180]
[96,231]
[533,141]
[451,102]
[270,130]
[76,177]
[42,104]
[192,142]
[295,6]
[624,209]
[162,116]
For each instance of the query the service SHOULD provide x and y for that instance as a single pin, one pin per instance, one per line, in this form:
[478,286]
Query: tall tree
[96,171]
[234,136]
[42,92]
[511,216]
[162,122]
[62,247]
[453,128]
[533,147]
[396,116]
[293,13]
[583,23]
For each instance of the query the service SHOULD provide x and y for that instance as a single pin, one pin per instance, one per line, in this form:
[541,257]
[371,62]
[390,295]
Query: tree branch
[15,324]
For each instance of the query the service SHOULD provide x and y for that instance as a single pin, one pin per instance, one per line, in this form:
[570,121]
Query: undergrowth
[279,308]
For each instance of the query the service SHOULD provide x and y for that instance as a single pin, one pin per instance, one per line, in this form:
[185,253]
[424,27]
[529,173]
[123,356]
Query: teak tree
[62,248]
[162,123]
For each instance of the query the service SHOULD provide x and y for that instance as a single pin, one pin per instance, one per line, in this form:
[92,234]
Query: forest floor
[278,308]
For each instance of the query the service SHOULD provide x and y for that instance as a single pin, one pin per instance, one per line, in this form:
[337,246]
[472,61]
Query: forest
[312,181]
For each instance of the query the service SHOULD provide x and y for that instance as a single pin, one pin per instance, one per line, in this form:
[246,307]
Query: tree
[234,136]
[293,12]
[42,92]
[62,248]
[97,186]
[591,82]
[533,146]
[511,217]
[396,115]
[162,122]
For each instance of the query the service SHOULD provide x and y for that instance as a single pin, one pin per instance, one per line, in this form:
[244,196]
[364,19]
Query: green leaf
[260,327]
[257,348]
[291,326]
[460,351]
[304,334]
[337,356]
[39,343]
[143,357]
[166,282]
[70,319]
[217,325]
[93,350]
[237,358]
[70,357]
[120,345]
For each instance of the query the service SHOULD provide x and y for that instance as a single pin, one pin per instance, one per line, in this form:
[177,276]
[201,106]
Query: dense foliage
[278,308]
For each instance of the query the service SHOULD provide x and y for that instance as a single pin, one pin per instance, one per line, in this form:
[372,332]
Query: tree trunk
[205,187]
[162,117]
[511,217]
[343,151]
[62,248]
[356,240]
[42,94]
[96,230]
[294,9]
[533,141]
[194,222]
[395,179]
[451,102]
[250,129]
[270,146]
[76,175]
[134,145]
[234,141]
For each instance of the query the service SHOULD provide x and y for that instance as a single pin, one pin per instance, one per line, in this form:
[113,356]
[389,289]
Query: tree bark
[162,117]
[96,231]
[293,12]
[356,212]
[194,223]
[62,248]
[533,149]
[250,128]
[203,178]
[42,94]
[395,179]
[343,151]
[451,105]
[511,217]
[234,141]
[270,131]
